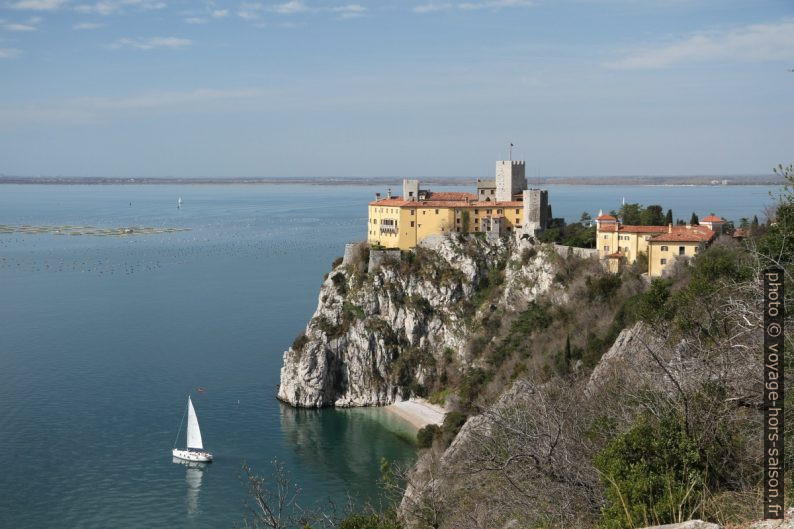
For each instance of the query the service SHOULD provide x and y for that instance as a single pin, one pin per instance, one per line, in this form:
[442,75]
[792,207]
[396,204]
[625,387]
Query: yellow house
[612,238]
[679,242]
[398,223]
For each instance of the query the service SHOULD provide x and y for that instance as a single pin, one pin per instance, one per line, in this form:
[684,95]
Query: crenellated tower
[510,179]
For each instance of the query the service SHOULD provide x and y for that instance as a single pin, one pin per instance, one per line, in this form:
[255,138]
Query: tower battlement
[510,179]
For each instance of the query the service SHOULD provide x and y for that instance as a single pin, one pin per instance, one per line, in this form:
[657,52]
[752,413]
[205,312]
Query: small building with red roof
[620,244]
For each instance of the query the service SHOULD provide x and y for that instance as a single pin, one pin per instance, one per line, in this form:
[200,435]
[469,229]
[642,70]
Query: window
[476,211]
[663,248]
[681,250]
[457,221]
[664,261]
[498,211]
[410,193]
[412,212]
[492,191]
[606,236]
[488,211]
[606,248]
[412,224]
[697,248]
[436,212]
[518,220]
[476,228]
[518,211]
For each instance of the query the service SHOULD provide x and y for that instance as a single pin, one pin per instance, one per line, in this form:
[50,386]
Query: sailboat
[195,447]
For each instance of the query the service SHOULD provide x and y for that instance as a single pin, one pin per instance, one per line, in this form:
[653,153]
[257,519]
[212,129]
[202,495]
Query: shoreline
[418,412]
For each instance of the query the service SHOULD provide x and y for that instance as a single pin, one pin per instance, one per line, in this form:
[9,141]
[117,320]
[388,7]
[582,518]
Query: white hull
[192,455]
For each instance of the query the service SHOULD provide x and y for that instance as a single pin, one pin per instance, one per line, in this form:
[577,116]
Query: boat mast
[181,422]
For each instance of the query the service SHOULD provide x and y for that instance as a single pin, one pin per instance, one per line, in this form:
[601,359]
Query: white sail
[193,432]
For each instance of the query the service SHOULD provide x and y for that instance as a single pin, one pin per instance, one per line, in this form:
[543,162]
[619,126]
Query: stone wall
[350,253]
[584,253]
[378,257]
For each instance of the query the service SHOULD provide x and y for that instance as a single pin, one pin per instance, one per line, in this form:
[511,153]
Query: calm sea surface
[102,338]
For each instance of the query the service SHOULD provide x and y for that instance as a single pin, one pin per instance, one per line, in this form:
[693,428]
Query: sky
[316,88]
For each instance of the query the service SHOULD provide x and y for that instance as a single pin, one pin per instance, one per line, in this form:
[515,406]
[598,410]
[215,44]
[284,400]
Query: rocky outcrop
[376,337]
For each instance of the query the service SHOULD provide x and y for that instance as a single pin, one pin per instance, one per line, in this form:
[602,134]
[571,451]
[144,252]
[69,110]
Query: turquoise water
[102,338]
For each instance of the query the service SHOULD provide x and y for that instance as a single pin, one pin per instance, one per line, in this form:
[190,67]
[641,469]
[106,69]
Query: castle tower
[510,179]
[536,211]
[411,190]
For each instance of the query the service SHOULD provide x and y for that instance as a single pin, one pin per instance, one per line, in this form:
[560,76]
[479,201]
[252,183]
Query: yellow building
[500,206]
[612,237]
[679,242]
[622,244]
[398,223]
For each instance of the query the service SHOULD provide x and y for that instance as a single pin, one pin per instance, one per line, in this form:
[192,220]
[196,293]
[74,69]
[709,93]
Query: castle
[500,206]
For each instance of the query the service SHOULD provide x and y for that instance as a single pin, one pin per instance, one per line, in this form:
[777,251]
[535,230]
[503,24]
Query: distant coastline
[705,180]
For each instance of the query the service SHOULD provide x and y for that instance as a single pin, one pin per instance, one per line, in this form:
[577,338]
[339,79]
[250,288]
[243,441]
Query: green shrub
[453,422]
[300,342]
[371,521]
[425,436]
[473,382]
[653,474]
[602,287]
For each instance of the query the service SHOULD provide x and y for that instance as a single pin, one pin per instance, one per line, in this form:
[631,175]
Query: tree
[693,220]
[585,217]
[668,219]
[631,214]
[652,216]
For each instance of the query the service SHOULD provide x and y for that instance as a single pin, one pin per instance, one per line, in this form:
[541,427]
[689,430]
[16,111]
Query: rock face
[375,338]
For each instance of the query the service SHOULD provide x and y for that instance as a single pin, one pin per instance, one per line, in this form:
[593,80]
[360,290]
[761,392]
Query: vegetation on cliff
[593,400]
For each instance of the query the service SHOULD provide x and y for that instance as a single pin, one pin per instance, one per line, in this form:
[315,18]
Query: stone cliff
[377,337]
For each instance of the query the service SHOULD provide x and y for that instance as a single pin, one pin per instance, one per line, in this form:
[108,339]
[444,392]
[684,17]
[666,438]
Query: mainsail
[193,432]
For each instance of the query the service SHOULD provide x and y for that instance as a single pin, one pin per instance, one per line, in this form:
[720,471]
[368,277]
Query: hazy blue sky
[401,87]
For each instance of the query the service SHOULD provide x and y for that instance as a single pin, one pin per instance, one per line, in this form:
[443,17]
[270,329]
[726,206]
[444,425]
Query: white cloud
[150,43]
[162,99]
[38,5]
[350,10]
[196,20]
[111,7]
[97,109]
[87,25]
[219,13]
[19,27]
[758,42]
[471,6]
[250,10]
[290,8]
[9,53]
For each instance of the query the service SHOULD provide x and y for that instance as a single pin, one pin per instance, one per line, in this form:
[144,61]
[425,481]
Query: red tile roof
[605,217]
[446,200]
[644,229]
[712,218]
[686,234]
[633,229]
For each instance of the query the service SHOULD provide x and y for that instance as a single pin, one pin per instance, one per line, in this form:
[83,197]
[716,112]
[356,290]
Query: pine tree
[694,221]
[669,217]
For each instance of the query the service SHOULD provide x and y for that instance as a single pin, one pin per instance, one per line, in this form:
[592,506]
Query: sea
[103,337]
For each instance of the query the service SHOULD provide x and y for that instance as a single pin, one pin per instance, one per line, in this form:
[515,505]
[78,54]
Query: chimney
[669,228]
[377,196]
[388,193]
